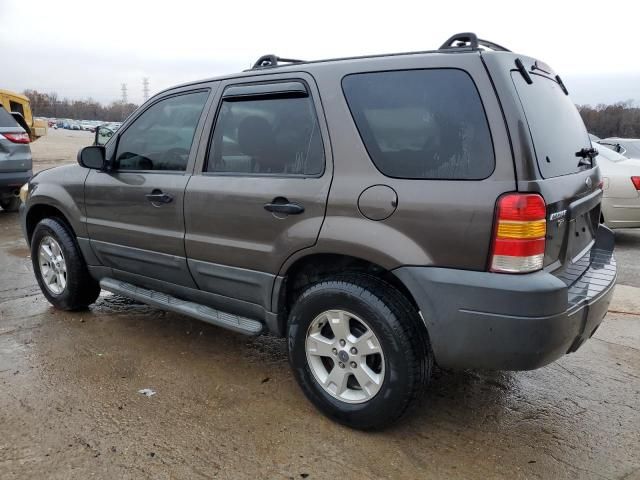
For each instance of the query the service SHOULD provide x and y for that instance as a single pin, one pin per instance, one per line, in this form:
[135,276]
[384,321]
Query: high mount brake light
[518,242]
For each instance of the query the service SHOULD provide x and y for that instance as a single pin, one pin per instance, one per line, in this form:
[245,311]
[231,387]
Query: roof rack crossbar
[273,61]
[470,40]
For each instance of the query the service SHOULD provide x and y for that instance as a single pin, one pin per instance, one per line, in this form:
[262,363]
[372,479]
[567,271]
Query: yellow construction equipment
[17,103]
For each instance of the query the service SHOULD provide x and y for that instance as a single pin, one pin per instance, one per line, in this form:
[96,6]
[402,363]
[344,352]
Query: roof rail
[470,41]
[272,61]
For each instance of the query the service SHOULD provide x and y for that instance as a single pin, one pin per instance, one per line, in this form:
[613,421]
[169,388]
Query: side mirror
[103,135]
[92,157]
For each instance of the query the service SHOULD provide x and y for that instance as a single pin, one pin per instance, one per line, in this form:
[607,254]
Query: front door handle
[282,205]
[157,196]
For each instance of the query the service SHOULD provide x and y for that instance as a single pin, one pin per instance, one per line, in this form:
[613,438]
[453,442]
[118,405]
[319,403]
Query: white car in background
[621,186]
[628,147]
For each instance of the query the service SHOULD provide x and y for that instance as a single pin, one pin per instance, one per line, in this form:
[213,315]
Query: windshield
[555,125]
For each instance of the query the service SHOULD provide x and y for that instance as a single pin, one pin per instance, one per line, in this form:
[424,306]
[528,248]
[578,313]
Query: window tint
[555,124]
[422,123]
[161,138]
[267,136]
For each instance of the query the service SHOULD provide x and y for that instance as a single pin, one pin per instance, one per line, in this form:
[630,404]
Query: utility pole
[123,87]
[145,88]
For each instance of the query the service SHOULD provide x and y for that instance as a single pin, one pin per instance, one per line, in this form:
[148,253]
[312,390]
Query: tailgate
[571,231]
[563,169]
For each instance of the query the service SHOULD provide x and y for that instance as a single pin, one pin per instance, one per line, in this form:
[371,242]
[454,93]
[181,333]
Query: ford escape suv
[383,213]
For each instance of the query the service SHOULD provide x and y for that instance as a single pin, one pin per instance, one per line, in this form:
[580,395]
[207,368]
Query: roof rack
[271,60]
[471,41]
[467,41]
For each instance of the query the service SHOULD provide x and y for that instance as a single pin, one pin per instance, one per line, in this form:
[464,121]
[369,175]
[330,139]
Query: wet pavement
[226,406]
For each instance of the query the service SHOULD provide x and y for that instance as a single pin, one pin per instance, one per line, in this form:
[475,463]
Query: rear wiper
[586,156]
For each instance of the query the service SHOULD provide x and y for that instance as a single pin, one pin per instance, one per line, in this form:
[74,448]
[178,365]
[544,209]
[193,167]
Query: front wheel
[358,350]
[60,268]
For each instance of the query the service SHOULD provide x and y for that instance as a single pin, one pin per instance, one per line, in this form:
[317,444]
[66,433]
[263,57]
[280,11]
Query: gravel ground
[227,406]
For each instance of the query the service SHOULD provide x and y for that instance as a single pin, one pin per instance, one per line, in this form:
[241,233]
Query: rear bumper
[12,181]
[512,322]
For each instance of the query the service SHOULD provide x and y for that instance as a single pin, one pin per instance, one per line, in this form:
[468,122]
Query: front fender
[61,188]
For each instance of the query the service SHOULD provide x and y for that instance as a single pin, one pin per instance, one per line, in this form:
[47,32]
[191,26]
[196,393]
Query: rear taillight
[636,182]
[16,137]
[519,233]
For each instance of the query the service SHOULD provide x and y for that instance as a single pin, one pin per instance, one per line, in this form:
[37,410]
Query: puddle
[110,303]
[21,252]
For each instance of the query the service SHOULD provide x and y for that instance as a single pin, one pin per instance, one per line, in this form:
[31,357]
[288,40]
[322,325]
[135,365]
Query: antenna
[123,88]
[145,88]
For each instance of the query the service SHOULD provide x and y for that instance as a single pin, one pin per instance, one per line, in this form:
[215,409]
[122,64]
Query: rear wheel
[10,204]
[60,268]
[358,350]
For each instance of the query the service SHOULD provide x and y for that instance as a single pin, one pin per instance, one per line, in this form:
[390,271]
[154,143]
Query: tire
[80,289]
[10,204]
[404,364]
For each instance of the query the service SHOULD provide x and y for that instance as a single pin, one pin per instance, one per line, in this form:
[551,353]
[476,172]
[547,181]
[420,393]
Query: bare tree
[49,105]
[621,119]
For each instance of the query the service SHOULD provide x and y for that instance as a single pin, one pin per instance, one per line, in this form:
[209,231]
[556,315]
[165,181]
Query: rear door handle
[157,196]
[282,205]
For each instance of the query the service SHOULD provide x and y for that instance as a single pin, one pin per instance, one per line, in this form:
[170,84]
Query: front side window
[161,138]
[267,136]
[422,124]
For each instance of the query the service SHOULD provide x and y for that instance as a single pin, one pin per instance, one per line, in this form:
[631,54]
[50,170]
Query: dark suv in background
[384,213]
[15,160]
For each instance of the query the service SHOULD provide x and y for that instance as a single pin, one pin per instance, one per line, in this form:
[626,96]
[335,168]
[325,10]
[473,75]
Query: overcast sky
[87,48]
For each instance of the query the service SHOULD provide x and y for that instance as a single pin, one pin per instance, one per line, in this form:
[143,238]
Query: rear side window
[6,120]
[277,136]
[422,124]
[555,124]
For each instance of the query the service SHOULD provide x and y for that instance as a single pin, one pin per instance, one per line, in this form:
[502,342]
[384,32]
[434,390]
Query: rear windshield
[422,124]
[6,120]
[556,127]
[632,147]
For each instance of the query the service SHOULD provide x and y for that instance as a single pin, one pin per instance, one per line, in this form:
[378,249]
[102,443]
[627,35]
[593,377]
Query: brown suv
[384,213]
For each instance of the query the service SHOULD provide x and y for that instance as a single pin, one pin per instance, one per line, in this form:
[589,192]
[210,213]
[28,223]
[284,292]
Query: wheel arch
[314,267]
[40,211]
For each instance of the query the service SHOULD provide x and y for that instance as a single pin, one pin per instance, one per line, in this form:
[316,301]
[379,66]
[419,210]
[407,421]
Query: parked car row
[84,125]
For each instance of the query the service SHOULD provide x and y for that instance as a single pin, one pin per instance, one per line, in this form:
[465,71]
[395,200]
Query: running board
[191,309]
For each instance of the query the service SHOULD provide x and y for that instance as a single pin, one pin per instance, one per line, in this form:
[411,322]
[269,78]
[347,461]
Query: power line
[123,88]
[145,88]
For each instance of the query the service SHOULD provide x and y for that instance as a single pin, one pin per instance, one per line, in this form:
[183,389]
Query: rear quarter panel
[14,157]
[437,222]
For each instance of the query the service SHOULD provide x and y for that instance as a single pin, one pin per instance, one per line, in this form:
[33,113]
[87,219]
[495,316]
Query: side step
[173,304]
